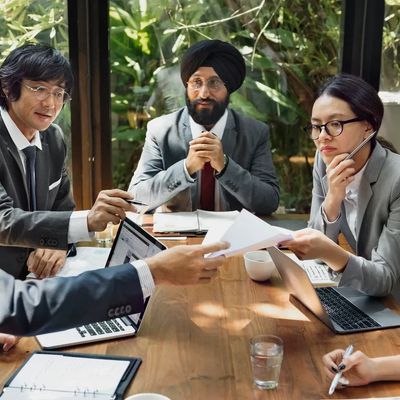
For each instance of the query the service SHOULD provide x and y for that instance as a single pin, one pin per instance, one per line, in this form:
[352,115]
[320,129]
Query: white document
[86,259]
[192,221]
[56,377]
[246,233]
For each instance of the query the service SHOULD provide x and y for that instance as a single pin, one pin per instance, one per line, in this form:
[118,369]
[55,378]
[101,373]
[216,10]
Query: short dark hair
[36,62]
[362,98]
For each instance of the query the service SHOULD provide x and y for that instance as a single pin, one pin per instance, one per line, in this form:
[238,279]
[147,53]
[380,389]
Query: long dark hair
[36,62]
[361,97]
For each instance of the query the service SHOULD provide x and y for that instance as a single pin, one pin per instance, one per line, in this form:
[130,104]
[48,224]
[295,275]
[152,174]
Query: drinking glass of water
[266,353]
[105,238]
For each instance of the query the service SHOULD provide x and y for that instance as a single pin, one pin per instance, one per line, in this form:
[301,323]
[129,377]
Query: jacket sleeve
[34,307]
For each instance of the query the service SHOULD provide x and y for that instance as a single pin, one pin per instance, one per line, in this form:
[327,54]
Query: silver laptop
[131,243]
[342,309]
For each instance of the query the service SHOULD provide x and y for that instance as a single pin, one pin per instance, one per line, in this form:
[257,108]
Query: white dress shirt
[218,130]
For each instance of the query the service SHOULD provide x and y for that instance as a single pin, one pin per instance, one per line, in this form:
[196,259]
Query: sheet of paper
[86,259]
[58,373]
[247,233]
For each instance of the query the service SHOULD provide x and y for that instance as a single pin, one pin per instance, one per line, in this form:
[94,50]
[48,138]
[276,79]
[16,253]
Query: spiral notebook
[64,376]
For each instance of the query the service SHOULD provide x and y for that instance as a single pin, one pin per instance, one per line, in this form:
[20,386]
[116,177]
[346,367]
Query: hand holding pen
[338,375]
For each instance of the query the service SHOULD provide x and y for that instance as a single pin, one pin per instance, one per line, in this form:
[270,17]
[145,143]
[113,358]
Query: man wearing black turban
[207,155]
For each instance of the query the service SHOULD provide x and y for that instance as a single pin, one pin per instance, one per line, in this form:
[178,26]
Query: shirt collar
[353,187]
[217,129]
[17,136]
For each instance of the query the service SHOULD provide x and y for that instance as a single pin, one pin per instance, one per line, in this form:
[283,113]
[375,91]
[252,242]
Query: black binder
[15,388]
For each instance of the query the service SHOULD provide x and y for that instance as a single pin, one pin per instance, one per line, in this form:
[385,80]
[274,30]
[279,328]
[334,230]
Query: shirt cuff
[188,177]
[325,218]
[146,279]
[78,229]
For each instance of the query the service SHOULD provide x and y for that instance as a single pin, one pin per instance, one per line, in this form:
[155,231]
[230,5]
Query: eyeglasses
[42,93]
[332,128]
[213,84]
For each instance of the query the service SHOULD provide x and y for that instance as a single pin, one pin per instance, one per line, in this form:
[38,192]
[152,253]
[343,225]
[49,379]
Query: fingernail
[344,381]
[342,367]
[334,369]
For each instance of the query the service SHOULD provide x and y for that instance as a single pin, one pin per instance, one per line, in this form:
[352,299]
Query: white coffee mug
[259,265]
[147,396]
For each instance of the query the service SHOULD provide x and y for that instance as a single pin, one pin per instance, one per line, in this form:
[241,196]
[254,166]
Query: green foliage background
[290,47]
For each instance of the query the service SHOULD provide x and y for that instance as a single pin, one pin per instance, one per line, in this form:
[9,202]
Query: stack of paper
[246,233]
[194,221]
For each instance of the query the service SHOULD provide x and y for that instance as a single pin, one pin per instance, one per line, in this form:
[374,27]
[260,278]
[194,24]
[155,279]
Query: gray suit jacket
[376,267]
[53,193]
[34,307]
[249,181]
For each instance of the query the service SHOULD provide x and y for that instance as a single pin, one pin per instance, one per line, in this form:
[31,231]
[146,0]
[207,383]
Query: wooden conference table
[194,343]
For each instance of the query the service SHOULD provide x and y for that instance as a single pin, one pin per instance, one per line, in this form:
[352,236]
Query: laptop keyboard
[100,328]
[343,312]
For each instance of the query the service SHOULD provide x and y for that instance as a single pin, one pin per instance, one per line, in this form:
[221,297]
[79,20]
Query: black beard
[207,117]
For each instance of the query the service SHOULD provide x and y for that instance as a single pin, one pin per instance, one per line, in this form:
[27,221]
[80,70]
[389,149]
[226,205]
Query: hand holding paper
[247,233]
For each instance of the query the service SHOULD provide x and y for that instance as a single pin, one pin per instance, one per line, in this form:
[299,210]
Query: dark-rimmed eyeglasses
[213,84]
[332,128]
[42,93]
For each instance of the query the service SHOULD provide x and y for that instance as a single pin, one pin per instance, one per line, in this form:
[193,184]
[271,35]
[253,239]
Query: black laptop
[342,309]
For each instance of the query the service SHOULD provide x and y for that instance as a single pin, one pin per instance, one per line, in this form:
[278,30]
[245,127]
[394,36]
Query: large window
[390,73]
[289,46]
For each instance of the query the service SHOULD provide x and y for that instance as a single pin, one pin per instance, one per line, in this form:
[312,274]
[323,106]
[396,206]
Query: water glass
[105,238]
[266,353]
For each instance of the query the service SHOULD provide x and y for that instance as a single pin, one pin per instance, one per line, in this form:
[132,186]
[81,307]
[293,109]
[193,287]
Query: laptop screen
[132,243]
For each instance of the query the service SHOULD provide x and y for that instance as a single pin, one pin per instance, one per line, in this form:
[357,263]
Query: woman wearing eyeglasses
[357,196]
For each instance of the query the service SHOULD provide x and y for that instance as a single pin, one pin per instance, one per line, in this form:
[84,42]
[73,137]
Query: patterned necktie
[207,188]
[30,154]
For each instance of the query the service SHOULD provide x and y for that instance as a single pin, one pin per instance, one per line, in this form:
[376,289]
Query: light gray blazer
[53,193]
[249,180]
[375,269]
[33,307]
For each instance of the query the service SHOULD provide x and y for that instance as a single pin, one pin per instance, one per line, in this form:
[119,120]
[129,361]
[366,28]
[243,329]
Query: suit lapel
[370,176]
[42,175]
[230,134]
[16,159]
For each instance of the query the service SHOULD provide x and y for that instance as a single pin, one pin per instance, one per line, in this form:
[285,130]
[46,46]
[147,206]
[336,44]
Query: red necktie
[207,188]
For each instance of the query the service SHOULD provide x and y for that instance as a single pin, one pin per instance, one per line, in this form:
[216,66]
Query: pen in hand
[136,202]
[335,380]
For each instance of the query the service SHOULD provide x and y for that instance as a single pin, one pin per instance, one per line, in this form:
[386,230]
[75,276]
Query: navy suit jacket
[33,307]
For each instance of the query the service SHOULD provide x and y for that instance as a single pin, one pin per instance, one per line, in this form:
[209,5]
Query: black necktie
[30,154]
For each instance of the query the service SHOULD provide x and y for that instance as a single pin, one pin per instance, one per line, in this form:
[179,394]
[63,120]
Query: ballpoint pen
[360,146]
[338,375]
[136,202]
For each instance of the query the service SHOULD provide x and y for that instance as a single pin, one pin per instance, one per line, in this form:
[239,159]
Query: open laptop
[342,309]
[131,243]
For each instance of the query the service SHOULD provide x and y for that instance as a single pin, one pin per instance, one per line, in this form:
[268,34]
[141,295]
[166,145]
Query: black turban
[226,60]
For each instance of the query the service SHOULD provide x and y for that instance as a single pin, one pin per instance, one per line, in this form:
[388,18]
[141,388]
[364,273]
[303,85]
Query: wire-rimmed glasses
[42,93]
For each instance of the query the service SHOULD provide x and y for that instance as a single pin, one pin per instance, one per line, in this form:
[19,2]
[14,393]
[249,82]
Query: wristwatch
[226,162]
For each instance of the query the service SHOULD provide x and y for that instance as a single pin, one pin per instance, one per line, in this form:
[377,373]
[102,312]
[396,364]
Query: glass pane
[42,21]
[290,47]
[390,73]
